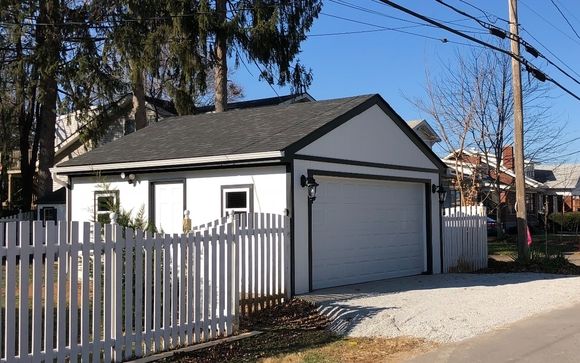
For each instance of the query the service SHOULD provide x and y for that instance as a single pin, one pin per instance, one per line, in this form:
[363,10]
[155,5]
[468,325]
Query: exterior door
[169,206]
[365,230]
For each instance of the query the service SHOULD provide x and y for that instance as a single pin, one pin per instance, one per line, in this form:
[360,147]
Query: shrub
[569,221]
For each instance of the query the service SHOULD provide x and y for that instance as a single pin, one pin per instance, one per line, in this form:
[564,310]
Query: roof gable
[253,130]
[285,128]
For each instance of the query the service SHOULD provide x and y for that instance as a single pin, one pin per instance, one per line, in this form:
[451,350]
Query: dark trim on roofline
[428,214]
[363,163]
[208,166]
[353,112]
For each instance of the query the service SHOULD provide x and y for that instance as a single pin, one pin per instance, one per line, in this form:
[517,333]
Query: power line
[571,13]
[503,33]
[486,13]
[530,68]
[565,18]
[550,23]
[549,51]
[383,28]
[374,12]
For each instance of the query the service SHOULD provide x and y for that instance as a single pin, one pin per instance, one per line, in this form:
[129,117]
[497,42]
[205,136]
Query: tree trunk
[46,138]
[221,66]
[24,127]
[139,107]
[49,12]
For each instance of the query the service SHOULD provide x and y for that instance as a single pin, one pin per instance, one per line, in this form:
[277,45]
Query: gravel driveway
[443,308]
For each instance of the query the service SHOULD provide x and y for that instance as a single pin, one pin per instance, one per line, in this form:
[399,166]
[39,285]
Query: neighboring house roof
[564,176]
[261,102]
[468,166]
[425,131]
[270,131]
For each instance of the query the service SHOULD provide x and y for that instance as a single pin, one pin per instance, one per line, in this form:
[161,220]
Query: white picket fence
[464,239]
[80,292]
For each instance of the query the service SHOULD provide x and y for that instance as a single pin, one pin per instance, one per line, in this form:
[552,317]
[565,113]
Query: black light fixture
[441,190]
[311,186]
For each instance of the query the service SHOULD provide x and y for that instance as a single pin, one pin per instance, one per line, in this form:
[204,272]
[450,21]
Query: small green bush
[569,221]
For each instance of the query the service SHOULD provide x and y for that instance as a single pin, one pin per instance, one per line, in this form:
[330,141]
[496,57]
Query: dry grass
[296,332]
[349,350]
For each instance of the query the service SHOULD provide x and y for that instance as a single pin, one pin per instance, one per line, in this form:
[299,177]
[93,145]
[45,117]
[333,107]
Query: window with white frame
[105,203]
[237,199]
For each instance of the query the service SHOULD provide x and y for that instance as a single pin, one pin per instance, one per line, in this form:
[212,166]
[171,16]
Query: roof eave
[64,170]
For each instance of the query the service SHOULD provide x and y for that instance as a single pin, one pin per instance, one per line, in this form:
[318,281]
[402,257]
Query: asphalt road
[550,337]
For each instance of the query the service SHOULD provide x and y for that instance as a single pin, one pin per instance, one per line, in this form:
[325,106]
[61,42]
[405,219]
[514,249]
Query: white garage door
[365,230]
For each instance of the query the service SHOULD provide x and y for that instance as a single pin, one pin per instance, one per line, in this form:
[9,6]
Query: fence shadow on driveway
[343,318]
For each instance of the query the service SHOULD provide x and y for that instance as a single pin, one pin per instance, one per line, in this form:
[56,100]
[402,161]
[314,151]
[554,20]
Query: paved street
[550,337]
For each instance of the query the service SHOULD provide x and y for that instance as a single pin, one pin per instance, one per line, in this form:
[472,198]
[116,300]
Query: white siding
[301,167]
[371,137]
[203,189]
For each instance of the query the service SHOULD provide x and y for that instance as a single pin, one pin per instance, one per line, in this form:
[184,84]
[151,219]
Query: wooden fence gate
[464,239]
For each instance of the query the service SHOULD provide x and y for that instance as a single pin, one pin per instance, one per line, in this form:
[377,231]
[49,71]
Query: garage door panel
[364,230]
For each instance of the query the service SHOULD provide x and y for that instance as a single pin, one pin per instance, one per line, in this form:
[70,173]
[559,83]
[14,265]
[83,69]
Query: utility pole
[523,250]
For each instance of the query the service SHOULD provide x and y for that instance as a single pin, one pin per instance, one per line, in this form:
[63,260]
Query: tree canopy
[60,56]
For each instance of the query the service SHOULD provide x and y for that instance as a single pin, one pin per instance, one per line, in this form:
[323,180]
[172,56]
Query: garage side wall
[203,189]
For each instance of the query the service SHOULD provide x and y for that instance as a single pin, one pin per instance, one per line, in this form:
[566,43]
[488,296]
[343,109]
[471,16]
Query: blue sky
[394,64]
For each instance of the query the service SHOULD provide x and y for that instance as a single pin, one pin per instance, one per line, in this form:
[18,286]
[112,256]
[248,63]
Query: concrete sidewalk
[550,337]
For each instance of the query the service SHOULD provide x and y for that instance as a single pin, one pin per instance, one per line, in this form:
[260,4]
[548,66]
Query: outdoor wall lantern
[131,178]
[441,190]
[311,186]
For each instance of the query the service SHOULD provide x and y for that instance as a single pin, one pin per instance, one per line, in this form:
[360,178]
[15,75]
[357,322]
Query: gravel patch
[443,308]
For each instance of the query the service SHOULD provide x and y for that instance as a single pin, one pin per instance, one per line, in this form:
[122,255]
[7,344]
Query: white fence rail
[464,239]
[118,294]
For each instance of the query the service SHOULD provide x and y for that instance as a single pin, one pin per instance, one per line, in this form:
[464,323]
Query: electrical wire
[565,18]
[374,12]
[530,68]
[531,49]
[549,23]
[549,51]
[383,28]
[487,14]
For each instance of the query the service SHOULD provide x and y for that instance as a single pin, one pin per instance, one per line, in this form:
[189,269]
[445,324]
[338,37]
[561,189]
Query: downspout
[55,178]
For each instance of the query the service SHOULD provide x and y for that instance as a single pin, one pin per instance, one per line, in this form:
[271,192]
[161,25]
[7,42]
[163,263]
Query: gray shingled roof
[234,132]
[564,176]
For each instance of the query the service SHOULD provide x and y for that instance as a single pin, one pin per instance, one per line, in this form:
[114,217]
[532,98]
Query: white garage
[367,229]
[375,213]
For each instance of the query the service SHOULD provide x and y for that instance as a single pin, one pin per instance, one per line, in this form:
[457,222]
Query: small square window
[236,199]
[105,203]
